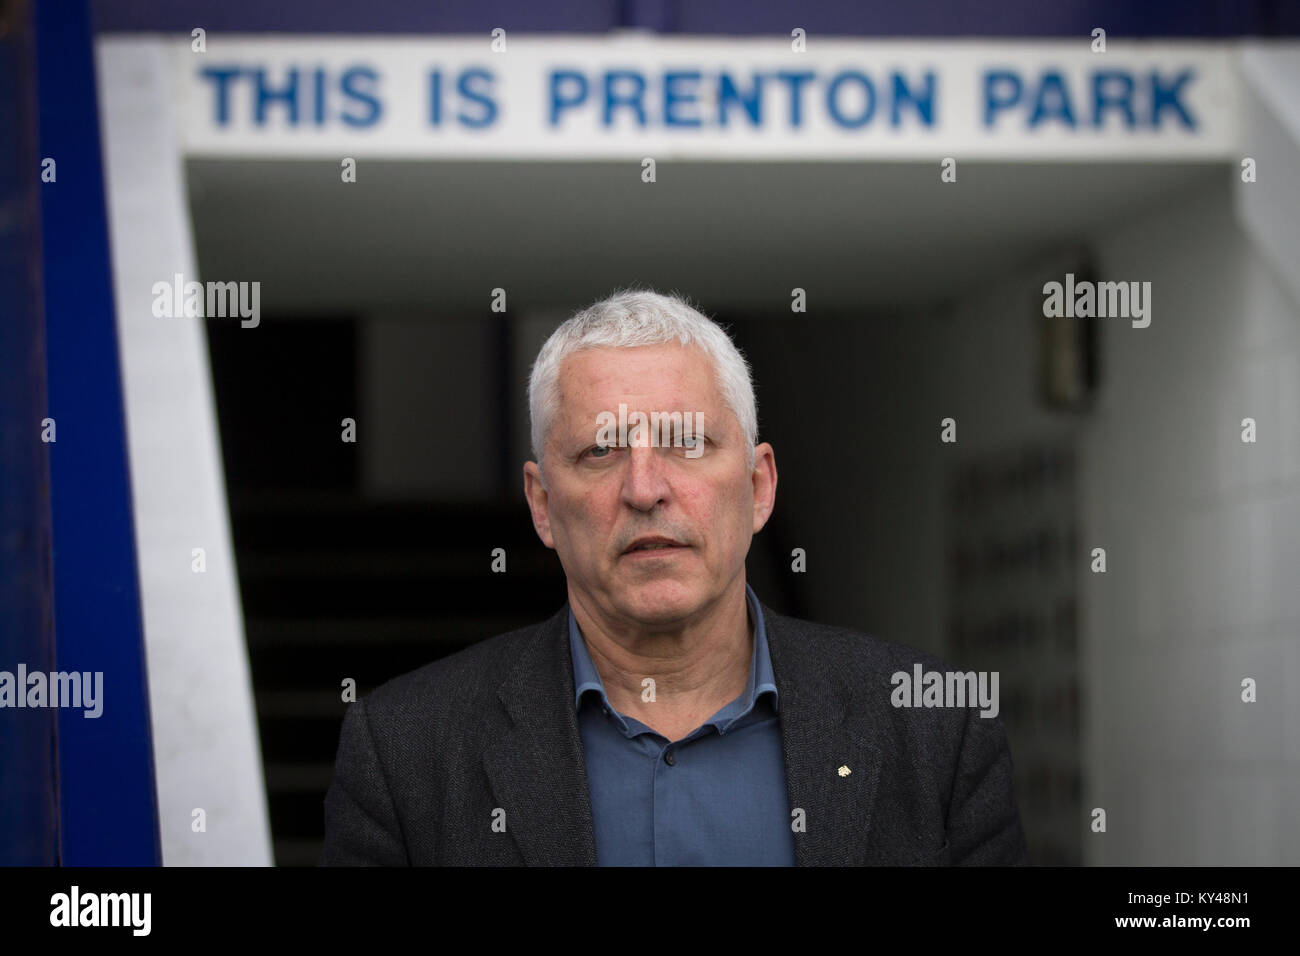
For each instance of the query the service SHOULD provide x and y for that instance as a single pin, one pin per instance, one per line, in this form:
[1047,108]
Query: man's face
[599,504]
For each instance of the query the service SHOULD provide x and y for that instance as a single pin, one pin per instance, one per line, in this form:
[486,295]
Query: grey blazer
[425,760]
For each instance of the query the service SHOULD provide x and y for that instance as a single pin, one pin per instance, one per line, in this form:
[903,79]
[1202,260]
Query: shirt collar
[761,678]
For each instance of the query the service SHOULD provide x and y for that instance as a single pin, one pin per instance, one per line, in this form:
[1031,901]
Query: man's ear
[764,479]
[538,503]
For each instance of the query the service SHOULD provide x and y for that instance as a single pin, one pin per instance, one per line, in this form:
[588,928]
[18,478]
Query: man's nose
[644,482]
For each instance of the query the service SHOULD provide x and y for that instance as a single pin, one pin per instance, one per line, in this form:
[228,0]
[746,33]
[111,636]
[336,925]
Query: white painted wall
[1203,537]
[206,751]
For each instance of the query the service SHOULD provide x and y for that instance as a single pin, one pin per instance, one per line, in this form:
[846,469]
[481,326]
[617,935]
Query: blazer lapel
[536,768]
[822,733]
[538,775]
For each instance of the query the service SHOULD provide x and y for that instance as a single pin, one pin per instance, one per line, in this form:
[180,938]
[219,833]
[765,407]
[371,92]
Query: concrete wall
[1203,537]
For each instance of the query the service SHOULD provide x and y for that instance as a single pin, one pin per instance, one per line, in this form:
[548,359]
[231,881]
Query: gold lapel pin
[844,771]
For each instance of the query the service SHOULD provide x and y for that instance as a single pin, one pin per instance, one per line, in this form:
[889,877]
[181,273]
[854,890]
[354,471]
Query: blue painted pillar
[29,832]
[107,800]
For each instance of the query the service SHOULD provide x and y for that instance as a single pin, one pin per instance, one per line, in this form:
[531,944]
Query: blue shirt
[717,797]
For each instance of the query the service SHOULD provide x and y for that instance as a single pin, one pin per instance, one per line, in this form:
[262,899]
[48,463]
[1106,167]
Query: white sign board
[634,96]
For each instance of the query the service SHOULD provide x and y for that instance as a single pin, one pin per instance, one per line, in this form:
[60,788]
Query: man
[664,716]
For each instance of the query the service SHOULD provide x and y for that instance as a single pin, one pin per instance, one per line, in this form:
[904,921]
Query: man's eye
[599,451]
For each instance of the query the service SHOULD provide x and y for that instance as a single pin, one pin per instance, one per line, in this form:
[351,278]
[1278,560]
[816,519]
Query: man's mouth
[653,545]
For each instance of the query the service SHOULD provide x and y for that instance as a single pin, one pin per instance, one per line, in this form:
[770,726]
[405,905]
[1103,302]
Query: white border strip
[205,742]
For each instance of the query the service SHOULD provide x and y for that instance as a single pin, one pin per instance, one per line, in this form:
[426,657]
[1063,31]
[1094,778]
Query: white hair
[633,318]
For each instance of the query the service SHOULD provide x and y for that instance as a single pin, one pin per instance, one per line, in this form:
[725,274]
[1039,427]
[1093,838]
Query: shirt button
[670,758]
